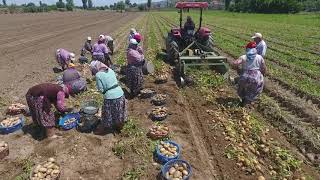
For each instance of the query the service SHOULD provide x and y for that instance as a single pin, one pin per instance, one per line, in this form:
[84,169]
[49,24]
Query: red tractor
[193,47]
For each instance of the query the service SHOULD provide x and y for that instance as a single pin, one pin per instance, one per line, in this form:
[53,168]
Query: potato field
[278,138]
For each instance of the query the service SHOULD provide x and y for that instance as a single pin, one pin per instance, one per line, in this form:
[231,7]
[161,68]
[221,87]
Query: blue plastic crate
[162,158]
[69,116]
[165,168]
[14,128]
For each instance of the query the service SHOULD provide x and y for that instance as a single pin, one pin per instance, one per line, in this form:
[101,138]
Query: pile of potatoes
[162,77]
[147,91]
[159,97]
[177,172]
[159,111]
[46,171]
[3,145]
[158,131]
[16,108]
[9,122]
[167,149]
[69,121]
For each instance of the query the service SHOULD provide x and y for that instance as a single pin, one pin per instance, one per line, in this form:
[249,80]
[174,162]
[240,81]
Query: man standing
[261,44]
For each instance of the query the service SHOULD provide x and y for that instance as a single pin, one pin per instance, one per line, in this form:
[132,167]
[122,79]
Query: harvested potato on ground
[159,97]
[3,145]
[147,91]
[177,172]
[158,131]
[9,122]
[167,149]
[47,170]
[159,111]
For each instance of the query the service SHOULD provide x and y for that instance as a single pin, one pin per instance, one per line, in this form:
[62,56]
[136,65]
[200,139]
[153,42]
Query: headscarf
[137,37]
[251,51]
[101,39]
[251,54]
[133,44]
[97,66]
[251,45]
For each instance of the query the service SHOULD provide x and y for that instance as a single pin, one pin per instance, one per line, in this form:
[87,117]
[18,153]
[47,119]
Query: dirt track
[30,40]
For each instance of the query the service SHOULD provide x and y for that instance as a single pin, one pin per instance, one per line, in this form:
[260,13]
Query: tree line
[272,6]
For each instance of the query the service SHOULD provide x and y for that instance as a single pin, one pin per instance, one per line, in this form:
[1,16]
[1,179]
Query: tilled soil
[30,41]
[28,59]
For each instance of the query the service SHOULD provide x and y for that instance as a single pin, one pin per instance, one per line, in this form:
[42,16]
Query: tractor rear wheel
[172,52]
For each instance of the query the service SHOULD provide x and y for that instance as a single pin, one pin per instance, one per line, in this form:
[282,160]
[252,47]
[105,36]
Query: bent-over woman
[64,58]
[40,98]
[72,78]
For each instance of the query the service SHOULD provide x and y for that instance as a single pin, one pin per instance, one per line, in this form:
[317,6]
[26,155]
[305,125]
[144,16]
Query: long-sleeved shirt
[262,48]
[100,49]
[105,80]
[52,94]
[134,56]
[63,55]
[87,46]
[257,64]
[70,75]
[189,25]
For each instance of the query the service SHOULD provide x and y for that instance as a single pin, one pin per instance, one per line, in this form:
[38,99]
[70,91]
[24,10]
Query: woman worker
[72,79]
[135,61]
[114,109]
[39,99]
[64,57]
[251,78]
[100,51]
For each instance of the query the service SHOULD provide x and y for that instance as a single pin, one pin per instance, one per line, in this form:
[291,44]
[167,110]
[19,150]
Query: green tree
[69,5]
[120,6]
[84,4]
[4,2]
[60,4]
[227,3]
[149,4]
[90,5]
[141,7]
[128,2]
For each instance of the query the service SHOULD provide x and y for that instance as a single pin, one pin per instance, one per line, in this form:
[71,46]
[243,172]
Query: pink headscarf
[97,66]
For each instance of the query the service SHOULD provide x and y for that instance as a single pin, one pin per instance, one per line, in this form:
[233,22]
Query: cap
[89,38]
[257,35]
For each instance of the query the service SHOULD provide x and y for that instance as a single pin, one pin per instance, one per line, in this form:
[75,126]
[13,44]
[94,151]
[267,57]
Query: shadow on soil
[57,70]
[35,131]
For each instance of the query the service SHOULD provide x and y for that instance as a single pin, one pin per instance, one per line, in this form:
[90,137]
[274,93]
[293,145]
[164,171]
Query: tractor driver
[189,27]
